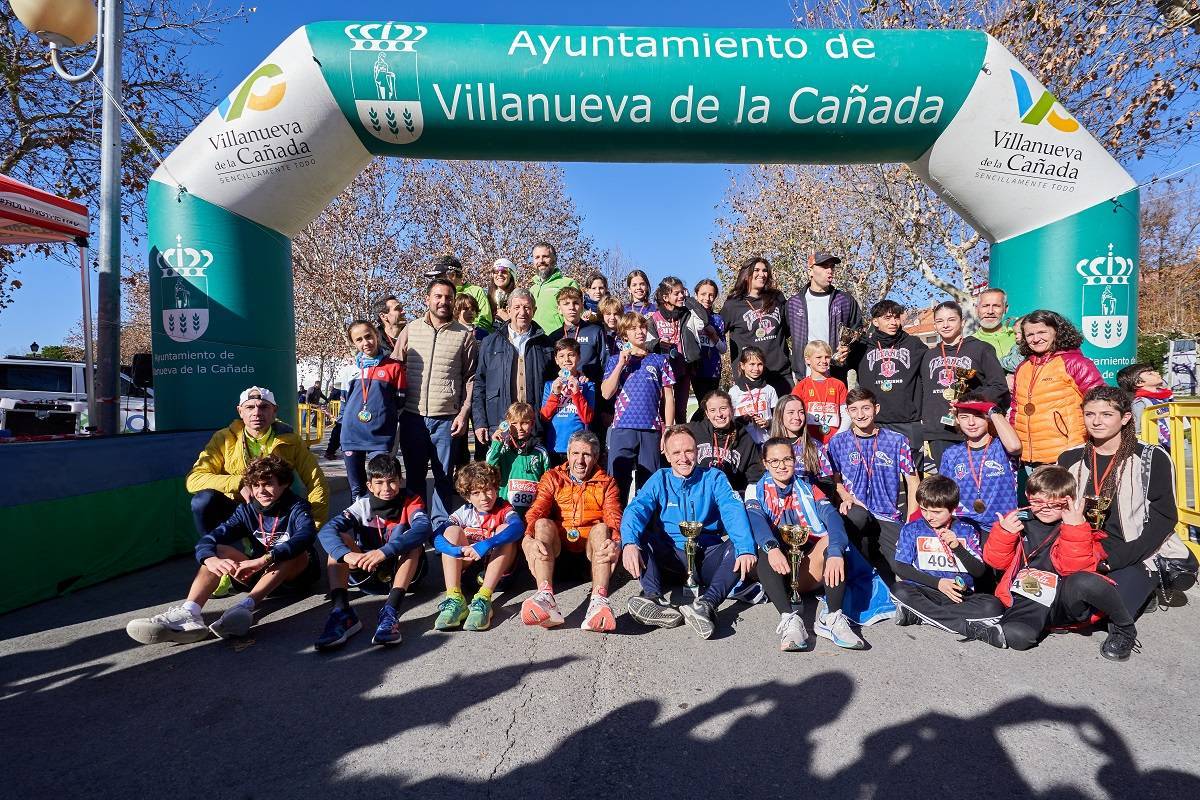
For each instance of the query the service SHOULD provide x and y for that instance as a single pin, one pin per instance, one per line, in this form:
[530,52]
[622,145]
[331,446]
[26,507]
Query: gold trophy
[962,376]
[691,532]
[1097,510]
[795,537]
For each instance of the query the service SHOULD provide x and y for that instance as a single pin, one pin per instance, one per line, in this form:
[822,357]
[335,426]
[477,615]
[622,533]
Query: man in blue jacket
[652,545]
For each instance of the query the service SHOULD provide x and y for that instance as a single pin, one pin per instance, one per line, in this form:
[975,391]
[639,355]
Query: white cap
[257,393]
[504,262]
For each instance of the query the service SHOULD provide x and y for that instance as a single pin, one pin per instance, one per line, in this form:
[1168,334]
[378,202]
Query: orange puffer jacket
[578,505]
[1055,386]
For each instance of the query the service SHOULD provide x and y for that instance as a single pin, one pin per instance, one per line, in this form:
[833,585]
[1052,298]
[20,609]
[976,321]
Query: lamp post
[69,23]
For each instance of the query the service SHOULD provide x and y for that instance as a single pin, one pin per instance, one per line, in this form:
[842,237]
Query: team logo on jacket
[1105,302]
[184,291]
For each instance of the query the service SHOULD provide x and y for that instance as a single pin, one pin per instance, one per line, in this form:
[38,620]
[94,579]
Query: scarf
[362,361]
[675,314]
[387,509]
[1160,395]
[746,384]
[785,505]
[277,509]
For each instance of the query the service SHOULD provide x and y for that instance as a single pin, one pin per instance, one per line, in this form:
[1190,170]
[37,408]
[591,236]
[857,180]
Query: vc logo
[1033,113]
[262,91]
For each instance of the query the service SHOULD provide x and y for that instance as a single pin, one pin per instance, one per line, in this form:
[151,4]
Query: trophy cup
[691,532]
[795,537]
[962,377]
[1097,510]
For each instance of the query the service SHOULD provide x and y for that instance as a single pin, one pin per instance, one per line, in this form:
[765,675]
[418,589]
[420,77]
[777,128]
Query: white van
[47,389]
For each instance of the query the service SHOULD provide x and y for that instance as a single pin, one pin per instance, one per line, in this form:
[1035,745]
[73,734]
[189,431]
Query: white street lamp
[70,23]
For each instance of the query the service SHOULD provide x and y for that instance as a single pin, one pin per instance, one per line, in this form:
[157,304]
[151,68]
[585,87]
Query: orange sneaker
[599,616]
[541,609]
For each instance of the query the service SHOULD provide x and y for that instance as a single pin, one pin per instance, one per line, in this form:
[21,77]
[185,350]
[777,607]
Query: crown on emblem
[1108,269]
[391,36]
[185,262]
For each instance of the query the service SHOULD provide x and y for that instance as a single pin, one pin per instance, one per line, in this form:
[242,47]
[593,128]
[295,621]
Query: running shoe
[599,616]
[541,609]
[836,628]
[905,616]
[654,611]
[388,629]
[176,624]
[793,636]
[224,588]
[479,614]
[1121,643]
[451,613]
[701,616]
[235,622]
[986,632]
[339,627]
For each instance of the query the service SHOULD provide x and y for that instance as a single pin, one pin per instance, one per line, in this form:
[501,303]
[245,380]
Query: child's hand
[1073,514]
[249,567]
[950,589]
[572,386]
[370,560]
[469,554]
[778,561]
[948,538]
[1011,522]
[710,332]
[835,570]
[245,493]
[220,566]
[841,354]
[352,560]
[557,386]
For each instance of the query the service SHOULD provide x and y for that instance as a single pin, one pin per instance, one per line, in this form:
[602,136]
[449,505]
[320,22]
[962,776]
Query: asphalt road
[528,713]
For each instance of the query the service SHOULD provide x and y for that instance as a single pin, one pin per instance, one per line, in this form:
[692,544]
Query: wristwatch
[771,545]
[269,559]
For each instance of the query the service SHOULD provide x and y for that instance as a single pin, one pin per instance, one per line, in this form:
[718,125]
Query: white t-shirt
[818,316]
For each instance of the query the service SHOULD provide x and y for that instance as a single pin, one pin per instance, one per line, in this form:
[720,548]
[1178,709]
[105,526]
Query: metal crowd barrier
[312,423]
[1182,420]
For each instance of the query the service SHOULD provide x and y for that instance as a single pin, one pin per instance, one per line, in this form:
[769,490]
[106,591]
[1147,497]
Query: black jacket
[742,321]
[989,379]
[890,366]
[741,460]
[496,375]
[592,351]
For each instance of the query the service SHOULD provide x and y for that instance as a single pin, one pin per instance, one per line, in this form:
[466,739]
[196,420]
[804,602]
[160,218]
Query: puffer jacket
[224,459]
[440,364]
[1056,424]
[545,299]
[576,504]
[1077,549]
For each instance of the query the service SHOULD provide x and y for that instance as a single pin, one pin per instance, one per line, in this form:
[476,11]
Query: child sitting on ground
[753,398]
[938,561]
[984,465]
[567,401]
[485,529]
[520,458]
[824,396]
[1050,566]
[280,529]
[377,544]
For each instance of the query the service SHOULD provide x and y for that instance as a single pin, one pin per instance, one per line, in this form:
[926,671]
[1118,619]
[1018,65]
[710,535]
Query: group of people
[991,485]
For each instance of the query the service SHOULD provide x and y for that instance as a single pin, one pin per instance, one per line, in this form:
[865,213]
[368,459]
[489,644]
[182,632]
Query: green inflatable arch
[955,105]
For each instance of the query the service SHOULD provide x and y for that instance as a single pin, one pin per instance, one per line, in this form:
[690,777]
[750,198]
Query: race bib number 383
[521,492]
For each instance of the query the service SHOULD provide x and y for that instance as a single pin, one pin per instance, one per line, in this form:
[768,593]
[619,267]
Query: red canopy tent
[31,216]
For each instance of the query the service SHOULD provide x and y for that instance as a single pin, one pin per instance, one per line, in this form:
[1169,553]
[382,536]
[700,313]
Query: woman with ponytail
[1130,493]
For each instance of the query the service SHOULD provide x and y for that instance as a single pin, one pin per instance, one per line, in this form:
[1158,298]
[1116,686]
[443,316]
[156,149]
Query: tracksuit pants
[935,608]
[632,453]
[1080,595]
[664,560]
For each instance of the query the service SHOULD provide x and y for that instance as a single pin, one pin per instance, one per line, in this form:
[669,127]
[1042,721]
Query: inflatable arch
[955,105]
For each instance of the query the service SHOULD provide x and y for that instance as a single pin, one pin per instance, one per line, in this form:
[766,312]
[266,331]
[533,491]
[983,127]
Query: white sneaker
[793,636]
[176,624]
[541,609]
[235,622]
[599,616]
[836,628]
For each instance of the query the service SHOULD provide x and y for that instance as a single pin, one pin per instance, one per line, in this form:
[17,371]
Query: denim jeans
[356,470]
[210,508]
[426,444]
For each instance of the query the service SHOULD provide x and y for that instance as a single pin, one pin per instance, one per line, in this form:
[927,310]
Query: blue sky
[660,215]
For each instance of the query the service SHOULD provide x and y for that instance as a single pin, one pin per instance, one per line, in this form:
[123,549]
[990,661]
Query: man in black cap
[820,311]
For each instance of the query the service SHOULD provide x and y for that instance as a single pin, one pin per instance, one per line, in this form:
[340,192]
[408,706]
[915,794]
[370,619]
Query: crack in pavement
[527,697]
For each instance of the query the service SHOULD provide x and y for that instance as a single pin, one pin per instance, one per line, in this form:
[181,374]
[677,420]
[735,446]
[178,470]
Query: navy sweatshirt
[287,523]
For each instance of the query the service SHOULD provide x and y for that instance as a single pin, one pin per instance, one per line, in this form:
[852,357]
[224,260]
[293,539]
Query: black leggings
[779,587]
[1079,596]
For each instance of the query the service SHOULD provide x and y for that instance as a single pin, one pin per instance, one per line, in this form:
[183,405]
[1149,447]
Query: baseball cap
[977,406]
[257,393]
[504,263]
[443,264]
[824,258]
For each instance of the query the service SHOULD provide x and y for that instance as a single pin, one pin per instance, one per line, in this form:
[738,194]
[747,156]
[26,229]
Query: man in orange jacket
[577,507]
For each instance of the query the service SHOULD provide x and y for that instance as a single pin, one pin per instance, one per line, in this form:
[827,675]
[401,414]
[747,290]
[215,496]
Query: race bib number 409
[933,557]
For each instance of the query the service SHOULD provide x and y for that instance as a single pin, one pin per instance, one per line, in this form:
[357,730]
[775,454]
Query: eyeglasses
[1048,504]
[780,462]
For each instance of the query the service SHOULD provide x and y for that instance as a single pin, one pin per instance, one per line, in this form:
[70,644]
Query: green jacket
[483,320]
[520,471]
[545,296]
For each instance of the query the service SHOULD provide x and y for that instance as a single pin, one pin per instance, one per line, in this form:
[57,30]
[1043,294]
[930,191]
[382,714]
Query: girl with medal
[1048,387]
[812,461]
[638,284]
[824,396]
[754,399]
[668,327]
[984,465]
[754,317]
[1128,490]
[374,398]
[783,497]
[724,444]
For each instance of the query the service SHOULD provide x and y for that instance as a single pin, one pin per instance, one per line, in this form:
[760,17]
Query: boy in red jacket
[1049,565]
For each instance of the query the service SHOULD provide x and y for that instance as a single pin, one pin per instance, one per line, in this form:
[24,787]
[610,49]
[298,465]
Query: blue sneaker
[388,631]
[479,614]
[341,625]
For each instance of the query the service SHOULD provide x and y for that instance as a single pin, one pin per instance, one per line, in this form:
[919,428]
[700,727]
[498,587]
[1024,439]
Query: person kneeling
[378,544]
[279,526]
[1049,564]
[577,509]
[484,529]
[938,560]
[652,544]
[783,498]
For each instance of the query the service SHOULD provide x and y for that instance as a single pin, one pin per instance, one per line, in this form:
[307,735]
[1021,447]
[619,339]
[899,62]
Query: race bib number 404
[1037,585]
[933,557]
